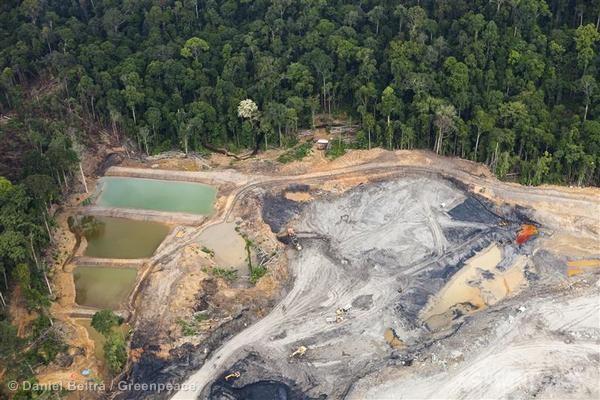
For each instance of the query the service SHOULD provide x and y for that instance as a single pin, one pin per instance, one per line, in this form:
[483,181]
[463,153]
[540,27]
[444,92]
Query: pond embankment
[166,217]
[207,177]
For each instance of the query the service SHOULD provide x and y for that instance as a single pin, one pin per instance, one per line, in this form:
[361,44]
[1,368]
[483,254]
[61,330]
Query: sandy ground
[477,285]
[547,350]
[384,249]
[365,227]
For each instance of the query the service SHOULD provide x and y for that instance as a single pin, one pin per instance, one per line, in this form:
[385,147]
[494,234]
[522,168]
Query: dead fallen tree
[226,152]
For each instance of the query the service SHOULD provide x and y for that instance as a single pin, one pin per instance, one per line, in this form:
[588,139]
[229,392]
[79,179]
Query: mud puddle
[228,247]
[477,285]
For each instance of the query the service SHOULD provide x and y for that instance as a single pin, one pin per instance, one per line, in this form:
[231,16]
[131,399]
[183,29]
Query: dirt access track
[408,276]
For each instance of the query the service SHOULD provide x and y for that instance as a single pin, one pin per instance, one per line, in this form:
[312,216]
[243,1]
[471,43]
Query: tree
[5,186]
[203,117]
[153,117]
[42,189]
[248,110]
[13,245]
[115,352]
[484,123]
[542,169]
[400,12]
[369,124]
[7,83]
[375,16]
[407,136]
[144,133]
[9,340]
[115,116]
[588,86]
[323,64]
[416,17]
[87,92]
[365,94]
[444,122]
[277,114]
[184,128]
[194,47]
[104,321]
[300,79]
[390,104]
[585,38]
[23,276]
[112,20]
[457,81]
[32,8]
[132,95]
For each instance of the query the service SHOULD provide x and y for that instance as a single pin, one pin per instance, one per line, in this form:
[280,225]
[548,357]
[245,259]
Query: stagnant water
[153,194]
[103,287]
[228,246]
[125,238]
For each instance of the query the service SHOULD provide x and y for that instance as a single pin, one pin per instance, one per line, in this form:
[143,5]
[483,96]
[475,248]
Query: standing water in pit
[102,287]
[153,194]
[125,238]
[227,244]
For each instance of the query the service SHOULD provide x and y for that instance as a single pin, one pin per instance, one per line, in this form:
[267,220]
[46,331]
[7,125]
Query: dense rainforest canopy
[508,82]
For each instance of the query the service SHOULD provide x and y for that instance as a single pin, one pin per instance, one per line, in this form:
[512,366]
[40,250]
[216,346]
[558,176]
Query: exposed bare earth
[387,293]
[382,253]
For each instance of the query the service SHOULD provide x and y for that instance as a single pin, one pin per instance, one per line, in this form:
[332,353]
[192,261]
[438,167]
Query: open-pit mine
[378,275]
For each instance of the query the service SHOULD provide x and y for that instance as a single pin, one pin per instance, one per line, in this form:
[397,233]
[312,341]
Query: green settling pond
[125,238]
[153,194]
[102,287]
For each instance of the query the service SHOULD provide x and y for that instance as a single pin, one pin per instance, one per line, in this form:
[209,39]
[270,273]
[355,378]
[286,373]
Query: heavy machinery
[233,375]
[294,239]
[299,352]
